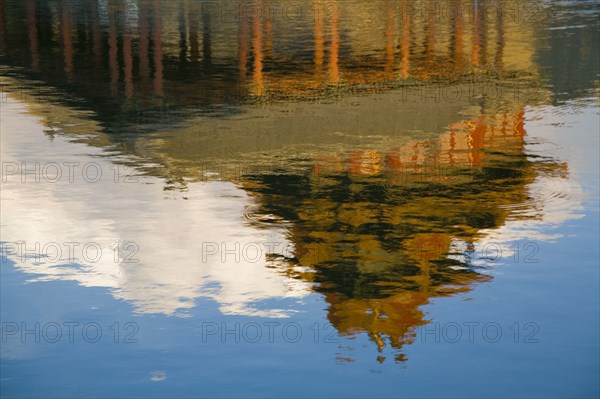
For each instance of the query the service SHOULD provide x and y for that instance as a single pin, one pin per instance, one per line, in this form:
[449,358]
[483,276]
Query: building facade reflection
[400,40]
[377,176]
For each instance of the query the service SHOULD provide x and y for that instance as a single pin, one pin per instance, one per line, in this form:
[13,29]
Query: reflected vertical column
[475,56]
[128,62]
[483,38]
[144,45]
[476,140]
[206,37]
[242,47]
[430,36]
[405,40]
[456,44]
[500,41]
[319,40]
[269,30]
[479,56]
[33,35]
[193,22]
[182,34]
[390,28]
[334,71]
[257,39]
[158,51]
[67,39]
[3,44]
[519,124]
[113,61]
[451,148]
[96,32]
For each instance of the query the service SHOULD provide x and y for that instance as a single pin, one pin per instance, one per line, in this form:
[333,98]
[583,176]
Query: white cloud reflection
[169,231]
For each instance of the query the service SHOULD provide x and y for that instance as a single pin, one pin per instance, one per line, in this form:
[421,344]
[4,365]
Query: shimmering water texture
[299,199]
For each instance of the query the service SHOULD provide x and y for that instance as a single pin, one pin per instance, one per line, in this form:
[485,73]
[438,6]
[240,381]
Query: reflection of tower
[33,34]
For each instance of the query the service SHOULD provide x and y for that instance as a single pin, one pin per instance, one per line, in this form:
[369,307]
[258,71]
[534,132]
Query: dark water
[299,199]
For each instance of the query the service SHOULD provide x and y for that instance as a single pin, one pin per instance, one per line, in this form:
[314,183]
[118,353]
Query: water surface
[327,198]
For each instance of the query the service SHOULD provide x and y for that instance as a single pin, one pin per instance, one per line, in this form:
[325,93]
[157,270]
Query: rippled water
[326,198]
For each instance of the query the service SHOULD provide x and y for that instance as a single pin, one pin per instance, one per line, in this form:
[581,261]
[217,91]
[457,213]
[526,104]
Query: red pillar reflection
[476,140]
